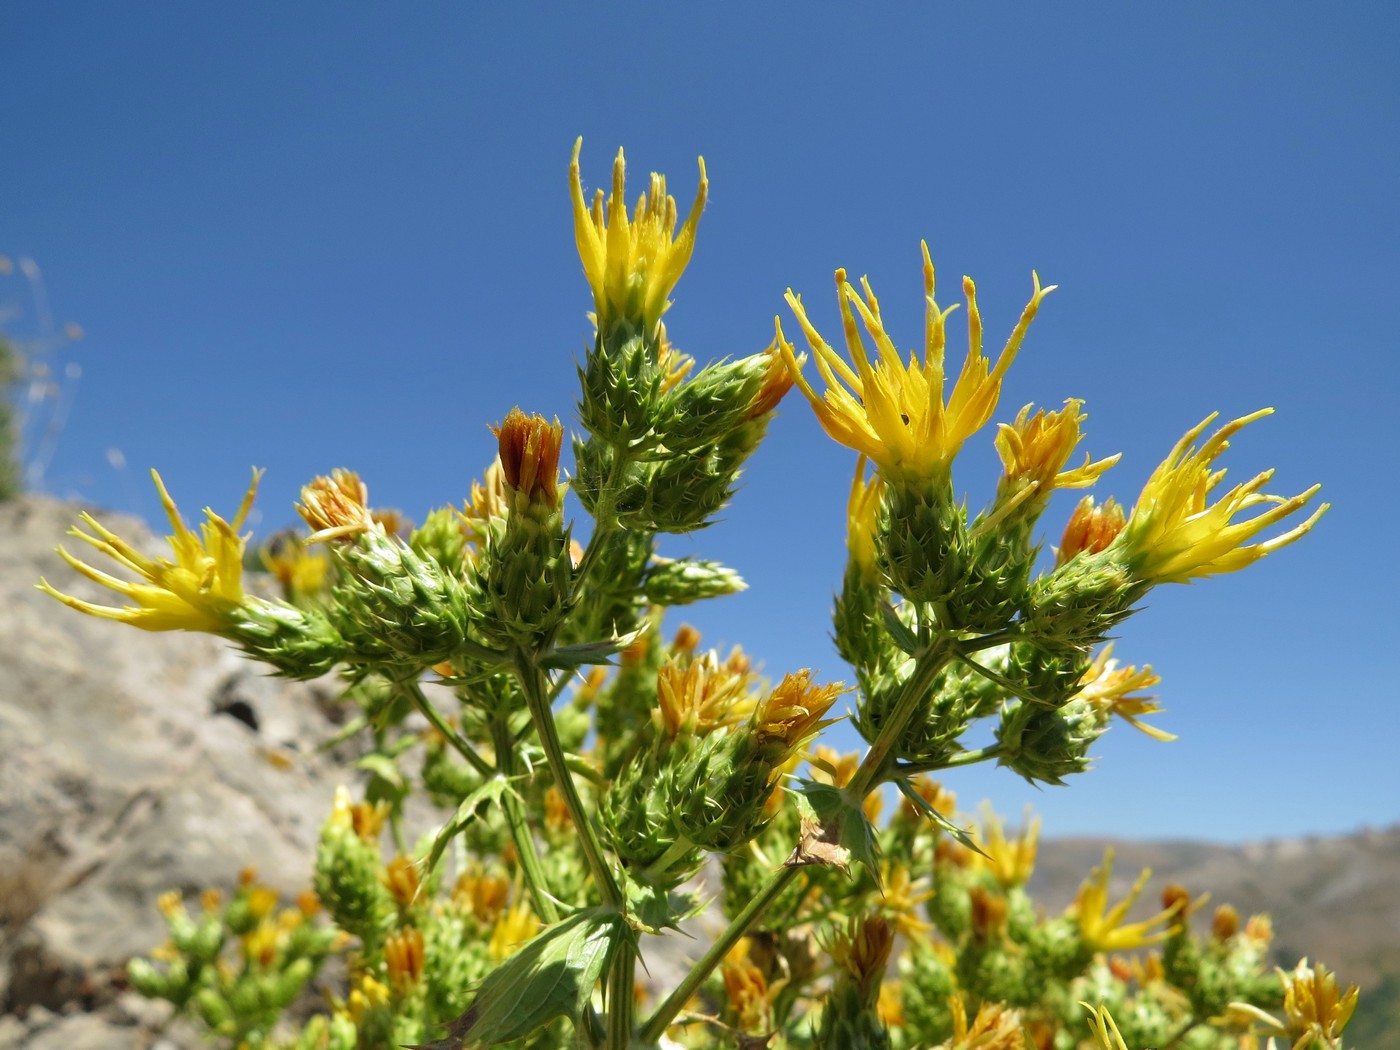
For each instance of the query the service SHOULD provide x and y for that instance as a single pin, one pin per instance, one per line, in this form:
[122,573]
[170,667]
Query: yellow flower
[632,266]
[792,712]
[1010,861]
[198,591]
[1091,529]
[895,413]
[529,451]
[702,696]
[337,507]
[404,957]
[513,929]
[862,509]
[1173,536]
[996,1027]
[1102,927]
[1315,1008]
[299,570]
[1034,450]
[746,990]
[1101,1023]
[1109,688]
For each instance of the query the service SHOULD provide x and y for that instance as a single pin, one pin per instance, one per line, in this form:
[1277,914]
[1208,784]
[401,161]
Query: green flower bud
[688,580]
[441,537]
[526,571]
[1048,744]
[921,539]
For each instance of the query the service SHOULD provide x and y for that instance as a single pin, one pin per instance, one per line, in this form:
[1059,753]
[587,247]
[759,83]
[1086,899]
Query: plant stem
[536,691]
[415,693]
[519,826]
[621,1004]
[657,1023]
[936,656]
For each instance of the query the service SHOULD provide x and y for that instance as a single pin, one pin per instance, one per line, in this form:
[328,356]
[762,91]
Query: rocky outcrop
[131,763]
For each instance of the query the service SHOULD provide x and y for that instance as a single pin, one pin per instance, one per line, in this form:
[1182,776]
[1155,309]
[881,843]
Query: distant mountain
[1334,899]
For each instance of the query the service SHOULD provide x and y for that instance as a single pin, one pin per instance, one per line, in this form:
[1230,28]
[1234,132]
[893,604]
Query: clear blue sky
[309,236]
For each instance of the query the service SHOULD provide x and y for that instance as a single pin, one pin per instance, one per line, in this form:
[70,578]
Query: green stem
[621,1004]
[960,758]
[658,1022]
[936,656]
[415,693]
[519,826]
[536,699]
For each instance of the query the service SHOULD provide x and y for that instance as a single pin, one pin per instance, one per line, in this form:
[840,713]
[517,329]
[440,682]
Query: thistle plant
[602,780]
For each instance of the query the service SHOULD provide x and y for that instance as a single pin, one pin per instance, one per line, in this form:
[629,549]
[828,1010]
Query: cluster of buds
[241,961]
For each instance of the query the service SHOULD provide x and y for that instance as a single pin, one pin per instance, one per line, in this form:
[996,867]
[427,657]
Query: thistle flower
[487,502]
[1102,928]
[199,591]
[632,266]
[895,413]
[405,957]
[1110,688]
[701,696]
[1315,1008]
[1010,860]
[1034,450]
[792,713]
[337,507]
[1091,529]
[777,378]
[862,511]
[1174,536]
[516,926]
[529,450]
[996,1027]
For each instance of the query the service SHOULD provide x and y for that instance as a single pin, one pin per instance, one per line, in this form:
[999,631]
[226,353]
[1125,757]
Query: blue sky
[313,236]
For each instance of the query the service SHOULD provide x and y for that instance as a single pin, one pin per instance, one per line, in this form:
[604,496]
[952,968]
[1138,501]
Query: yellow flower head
[1103,928]
[1010,861]
[336,507]
[746,990]
[1035,449]
[529,450]
[512,930]
[1315,1008]
[895,413]
[632,265]
[487,503]
[903,900]
[996,1027]
[198,591]
[777,378]
[1106,1034]
[862,510]
[300,571]
[1174,536]
[405,957]
[701,696]
[1110,688]
[675,364]
[1091,529]
[792,713]
[863,949]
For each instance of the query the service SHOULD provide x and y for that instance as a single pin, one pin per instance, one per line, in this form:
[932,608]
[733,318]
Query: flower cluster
[588,769]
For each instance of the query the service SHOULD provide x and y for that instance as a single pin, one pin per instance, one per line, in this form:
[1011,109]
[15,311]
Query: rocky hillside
[133,763]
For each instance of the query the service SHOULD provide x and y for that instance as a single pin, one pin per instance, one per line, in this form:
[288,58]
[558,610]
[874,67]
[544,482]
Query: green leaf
[923,806]
[899,631]
[489,791]
[842,822]
[553,974]
[568,657]
[384,768]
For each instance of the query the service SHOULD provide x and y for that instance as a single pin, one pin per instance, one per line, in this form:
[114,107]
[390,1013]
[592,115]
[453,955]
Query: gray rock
[131,763]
